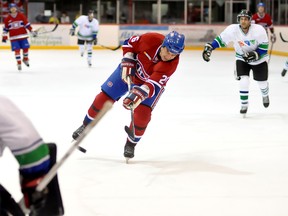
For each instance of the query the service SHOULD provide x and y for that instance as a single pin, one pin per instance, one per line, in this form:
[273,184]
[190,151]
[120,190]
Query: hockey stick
[285,41]
[45,32]
[270,52]
[53,171]
[45,181]
[130,132]
[113,49]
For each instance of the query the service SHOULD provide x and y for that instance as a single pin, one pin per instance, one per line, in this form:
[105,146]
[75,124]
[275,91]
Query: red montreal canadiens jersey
[151,70]
[16,26]
[265,21]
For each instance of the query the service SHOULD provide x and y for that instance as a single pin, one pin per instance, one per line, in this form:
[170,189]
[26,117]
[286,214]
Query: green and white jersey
[255,39]
[86,28]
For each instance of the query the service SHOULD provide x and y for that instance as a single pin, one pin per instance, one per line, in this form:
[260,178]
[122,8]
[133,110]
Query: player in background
[285,68]
[251,44]
[265,20]
[148,60]
[4,7]
[87,33]
[19,4]
[35,159]
[16,25]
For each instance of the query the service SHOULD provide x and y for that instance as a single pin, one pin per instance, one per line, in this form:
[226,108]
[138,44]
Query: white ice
[199,157]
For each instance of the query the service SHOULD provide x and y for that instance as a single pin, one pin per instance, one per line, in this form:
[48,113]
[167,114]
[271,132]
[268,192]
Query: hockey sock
[18,56]
[244,90]
[25,54]
[142,117]
[81,48]
[89,52]
[96,106]
[264,87]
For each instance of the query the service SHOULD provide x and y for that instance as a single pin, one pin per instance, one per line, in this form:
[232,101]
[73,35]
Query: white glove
[34,33]
[273,38]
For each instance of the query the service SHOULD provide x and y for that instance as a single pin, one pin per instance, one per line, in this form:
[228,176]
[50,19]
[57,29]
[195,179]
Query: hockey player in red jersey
[149,60]
[265,20]
[16,25]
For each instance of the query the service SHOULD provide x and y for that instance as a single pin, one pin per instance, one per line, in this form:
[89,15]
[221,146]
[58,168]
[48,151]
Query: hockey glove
[34,200]
[95,41]
[135,97]
[207,52]
[34,33]
[72,32]
[250,56]
[128,66]
[273,38]
[4,38]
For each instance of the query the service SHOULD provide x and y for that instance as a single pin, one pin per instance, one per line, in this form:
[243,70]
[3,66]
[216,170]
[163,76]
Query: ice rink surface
[199,157]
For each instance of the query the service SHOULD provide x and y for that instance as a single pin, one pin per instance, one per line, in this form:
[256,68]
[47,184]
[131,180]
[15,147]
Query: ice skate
[82,54]
[243,111]
[266,101]
[26,62]
[19,66]
[89,63]
[129,150]
[78,132]
[283,73]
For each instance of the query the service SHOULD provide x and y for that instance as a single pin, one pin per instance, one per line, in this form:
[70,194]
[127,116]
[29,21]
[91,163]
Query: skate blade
[127,160]
[244,115]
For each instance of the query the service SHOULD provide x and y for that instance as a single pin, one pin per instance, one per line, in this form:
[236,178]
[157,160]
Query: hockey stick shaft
[270,52]
[285,41]
[131,132]
[53,171]
[113,49]
[45,32]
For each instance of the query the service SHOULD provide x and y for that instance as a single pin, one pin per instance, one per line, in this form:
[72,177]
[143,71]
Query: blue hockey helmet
[174,42]
[12,5]
[261,4]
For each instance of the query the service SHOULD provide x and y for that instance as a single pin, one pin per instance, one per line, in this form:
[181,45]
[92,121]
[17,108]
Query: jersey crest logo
[247,42]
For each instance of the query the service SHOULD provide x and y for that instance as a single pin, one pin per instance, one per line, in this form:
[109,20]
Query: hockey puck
[82,149]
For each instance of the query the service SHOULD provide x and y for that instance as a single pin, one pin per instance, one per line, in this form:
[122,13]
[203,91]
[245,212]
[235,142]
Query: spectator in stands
[54,19]
[41,18]
[64,17]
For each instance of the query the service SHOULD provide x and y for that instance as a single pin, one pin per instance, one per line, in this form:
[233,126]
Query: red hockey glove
[128,68]
[250,56]
[4,38]
[207,52]
[34,200]
[135,97]
[273,38]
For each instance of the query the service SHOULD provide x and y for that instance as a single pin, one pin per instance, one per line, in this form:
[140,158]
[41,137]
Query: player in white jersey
[251,46]
[87,33]
[35,159]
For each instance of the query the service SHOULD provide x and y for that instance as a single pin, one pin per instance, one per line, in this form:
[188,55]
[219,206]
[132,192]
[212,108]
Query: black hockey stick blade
[129,132]
[285,41]
[110,48]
